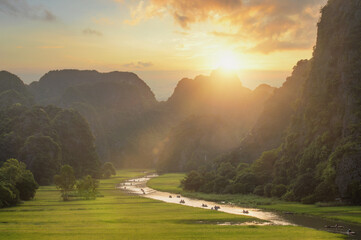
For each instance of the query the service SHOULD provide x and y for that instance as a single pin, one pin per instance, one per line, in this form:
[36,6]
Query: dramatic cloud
[269,25]
[21,8]
[138,65]
[89,31]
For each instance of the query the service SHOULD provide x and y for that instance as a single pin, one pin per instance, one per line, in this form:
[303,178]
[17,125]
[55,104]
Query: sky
[160,40]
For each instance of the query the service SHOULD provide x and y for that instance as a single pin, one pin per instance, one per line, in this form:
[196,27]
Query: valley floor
[118,215]
[171,183]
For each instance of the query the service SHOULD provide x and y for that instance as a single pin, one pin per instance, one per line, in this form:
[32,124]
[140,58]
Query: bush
[278,190]
[16,183]
[87,187]
[108,170]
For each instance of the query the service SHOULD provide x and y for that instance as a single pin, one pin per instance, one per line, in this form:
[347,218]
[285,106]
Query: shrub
[87,187]
[108,170]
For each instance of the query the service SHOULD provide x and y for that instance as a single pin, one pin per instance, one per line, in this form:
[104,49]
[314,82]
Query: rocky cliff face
[270,128]
[324,137]
[316,143]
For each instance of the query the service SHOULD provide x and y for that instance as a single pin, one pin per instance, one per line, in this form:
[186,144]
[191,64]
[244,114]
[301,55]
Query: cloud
[138,65]
[283,24]
[269,46]
[93,32]
[21,8]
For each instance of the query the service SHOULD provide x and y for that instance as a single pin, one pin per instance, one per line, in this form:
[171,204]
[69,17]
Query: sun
[227,60]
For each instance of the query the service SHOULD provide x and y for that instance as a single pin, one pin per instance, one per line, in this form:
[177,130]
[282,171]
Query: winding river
[138,186]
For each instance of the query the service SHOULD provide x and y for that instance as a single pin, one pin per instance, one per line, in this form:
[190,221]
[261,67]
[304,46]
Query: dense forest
[306,144]
[44,138]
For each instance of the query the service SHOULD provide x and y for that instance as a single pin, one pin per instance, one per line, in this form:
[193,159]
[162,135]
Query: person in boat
[178,196]
[170,196]
[349,232]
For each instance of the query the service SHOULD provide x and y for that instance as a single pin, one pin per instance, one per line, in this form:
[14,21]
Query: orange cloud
[269,25]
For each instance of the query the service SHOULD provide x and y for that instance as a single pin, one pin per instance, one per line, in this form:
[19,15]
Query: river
[138,186]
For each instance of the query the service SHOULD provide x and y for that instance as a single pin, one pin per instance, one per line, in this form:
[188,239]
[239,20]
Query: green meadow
[171,183]
[117,215]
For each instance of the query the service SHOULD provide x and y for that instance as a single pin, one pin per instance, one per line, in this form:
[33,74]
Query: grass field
[121,216]
[171,183]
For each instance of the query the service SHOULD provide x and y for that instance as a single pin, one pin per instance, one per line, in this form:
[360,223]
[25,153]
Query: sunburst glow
[227,60]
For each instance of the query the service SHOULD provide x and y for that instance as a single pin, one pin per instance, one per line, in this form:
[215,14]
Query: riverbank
[171,183]
[118,215]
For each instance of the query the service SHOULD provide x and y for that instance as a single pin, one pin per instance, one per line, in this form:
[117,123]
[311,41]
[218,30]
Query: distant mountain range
[131,127]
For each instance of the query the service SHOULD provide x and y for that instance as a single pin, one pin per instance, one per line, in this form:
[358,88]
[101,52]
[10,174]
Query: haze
[161,40]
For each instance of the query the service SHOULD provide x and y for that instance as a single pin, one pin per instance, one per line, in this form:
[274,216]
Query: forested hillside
[318,157]
[43,137]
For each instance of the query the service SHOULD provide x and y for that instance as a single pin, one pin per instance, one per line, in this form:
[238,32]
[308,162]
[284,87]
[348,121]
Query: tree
[8,195]
[16,183]
[193,181]
[65,181]
[87,187]
[108,170]
[26,185]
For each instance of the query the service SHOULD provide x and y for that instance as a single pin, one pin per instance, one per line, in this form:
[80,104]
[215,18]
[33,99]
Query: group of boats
[348,232]
[216,208]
